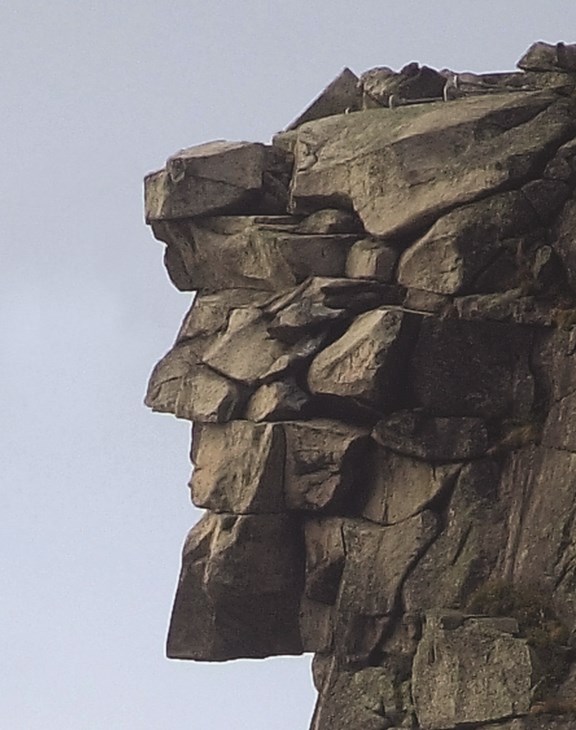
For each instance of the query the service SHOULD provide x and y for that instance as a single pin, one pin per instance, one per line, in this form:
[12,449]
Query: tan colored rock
[261,252]
[279,401]
[433,439]
[401,164]
[397,487]
[470,674]
[209,313]
[330,221]
[213,618]
[365,362]
[466,552]
[322,460]
[420,300]
[224,480]
[213,177]
[372,259]
[455,249]
[341,95]
[181,385]
[413,82]
[378,560]
[547,57]
[233,354]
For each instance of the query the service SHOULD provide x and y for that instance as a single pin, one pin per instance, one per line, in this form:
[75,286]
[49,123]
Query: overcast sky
[95,94]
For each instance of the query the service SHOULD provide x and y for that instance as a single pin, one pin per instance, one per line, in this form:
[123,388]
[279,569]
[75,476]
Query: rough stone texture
[341,95]
[225,481]
[377,160]
[546,57]
[321,460]
[397,487]
[433,439]
[261,252]
[473,369]
[364,363]
[214,616]
[214,177]
[383,388]
[456,248]
[371,259]
[279,401]
[473,673]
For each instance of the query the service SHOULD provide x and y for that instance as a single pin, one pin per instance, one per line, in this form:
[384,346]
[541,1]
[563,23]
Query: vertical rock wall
[379,365]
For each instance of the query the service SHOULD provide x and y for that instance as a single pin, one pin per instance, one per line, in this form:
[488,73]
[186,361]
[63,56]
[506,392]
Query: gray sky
[95,507]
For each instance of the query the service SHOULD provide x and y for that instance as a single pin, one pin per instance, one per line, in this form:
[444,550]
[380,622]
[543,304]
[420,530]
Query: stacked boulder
[379,365]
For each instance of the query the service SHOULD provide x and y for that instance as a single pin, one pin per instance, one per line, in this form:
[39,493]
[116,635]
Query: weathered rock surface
[213,617]
[472,673]
[371,259]
[473,369]
[216,177]
[341,95]
[261,252]
[375,161]
[365,362]
[225,481]
[382,384]
[454,251]
[398,487]
[321,463]
[433,439]
[547,57]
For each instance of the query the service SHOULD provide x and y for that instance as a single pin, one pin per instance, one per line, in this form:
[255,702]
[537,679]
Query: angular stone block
[279,401]
[226,480]
[261,252]
[401,163]
[447,259]
[214,616]
[341,95]
[466,552]
[413,82]
[378,559]
[366,362]
[330,221]
[373,698]
[547,57]
[372,259]
[233,353]
[182,385]
[322,463]
[212,178]
[470,674]
[396,487]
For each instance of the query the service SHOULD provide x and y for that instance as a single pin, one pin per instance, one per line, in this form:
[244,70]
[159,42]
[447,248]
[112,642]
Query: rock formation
[379,363]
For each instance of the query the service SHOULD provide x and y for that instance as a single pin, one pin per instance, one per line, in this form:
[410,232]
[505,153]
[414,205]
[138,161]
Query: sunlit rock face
[379,363]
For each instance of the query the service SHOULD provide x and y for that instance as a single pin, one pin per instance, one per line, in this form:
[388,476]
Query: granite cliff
[379,366]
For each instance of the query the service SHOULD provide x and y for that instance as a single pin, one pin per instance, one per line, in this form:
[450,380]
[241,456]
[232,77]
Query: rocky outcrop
[379,364]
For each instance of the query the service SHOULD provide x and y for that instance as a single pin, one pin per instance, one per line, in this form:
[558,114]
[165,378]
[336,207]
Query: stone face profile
[380,366]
